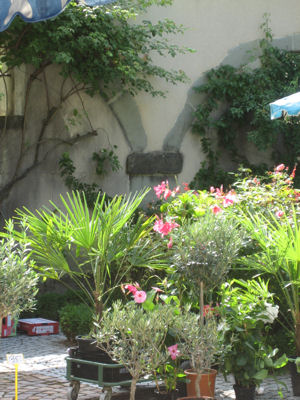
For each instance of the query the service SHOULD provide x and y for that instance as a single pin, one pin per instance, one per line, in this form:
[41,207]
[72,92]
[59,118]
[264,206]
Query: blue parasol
[289,105]
[36,10]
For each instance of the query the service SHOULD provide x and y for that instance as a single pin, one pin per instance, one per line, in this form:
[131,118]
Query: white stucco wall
[220,31]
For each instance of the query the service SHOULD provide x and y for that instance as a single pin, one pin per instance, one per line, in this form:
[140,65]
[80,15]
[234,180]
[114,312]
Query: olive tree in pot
[199,341]
[18,280]
[277,236]
[136,338]
[202,255]
[247,309]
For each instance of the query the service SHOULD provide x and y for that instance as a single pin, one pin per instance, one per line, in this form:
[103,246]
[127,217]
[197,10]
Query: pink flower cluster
[138,295]
[173,351]
[227,199]
[164,228]
[164,190]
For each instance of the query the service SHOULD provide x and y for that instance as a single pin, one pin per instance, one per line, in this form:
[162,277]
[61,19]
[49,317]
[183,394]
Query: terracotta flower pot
[207,383]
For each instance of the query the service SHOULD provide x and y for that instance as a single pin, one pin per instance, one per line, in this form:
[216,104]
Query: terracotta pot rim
[208,371]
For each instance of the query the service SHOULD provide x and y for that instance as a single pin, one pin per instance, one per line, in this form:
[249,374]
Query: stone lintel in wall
[154,163]
[12,121]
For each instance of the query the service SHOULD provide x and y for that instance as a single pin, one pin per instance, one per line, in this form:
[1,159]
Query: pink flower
[186,186]
[207,310]
[279,167]
[229,199]
[227,202]
[256,181]
[219,192]
[164,228]
[160,189]
[158,225]
[292,176]
[132,289]
[140,296]
[170,243]
[167,194]
[212,189]
[279,213]
[168,227]
[173,351]
[216,209]
[176,190]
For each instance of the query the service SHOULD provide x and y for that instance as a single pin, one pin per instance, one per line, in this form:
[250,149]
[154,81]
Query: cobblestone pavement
[42,375]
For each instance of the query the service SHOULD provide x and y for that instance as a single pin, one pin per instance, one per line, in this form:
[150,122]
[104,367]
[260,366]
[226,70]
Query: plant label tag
[15,358]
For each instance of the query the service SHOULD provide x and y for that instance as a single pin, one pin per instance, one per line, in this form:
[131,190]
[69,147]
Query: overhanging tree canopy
[37,10]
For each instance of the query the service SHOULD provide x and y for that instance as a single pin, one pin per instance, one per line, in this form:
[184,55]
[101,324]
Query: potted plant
[95,248]
[202,254]
[18,279]
[200,342]
[277,237]
[135,338]
[247,307]
[172,375]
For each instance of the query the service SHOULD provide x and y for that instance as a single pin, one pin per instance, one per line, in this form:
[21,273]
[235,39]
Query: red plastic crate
[9,326]
[38,326]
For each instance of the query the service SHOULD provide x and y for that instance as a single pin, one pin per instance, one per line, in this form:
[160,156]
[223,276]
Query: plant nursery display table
[102,374]
[100,381]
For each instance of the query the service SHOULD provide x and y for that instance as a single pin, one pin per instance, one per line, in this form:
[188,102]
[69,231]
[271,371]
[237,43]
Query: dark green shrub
[49,304]
[75,319]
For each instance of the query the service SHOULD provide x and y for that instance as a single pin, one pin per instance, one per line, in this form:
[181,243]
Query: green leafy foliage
[278,256]
[204,251]
[135,338]
[108,47]
[95,248]
[18,280]
[105,158]
[247,308]
[236,107]
[75,319]
[49,304]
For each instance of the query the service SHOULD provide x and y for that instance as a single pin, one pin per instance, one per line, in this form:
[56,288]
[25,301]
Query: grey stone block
[154,163]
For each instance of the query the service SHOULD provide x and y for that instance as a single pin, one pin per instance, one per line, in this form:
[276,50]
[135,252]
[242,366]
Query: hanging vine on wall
[245,94]
[105,159]
[99,51]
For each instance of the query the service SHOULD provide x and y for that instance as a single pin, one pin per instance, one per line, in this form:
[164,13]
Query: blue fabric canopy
[36,10]
[289,105]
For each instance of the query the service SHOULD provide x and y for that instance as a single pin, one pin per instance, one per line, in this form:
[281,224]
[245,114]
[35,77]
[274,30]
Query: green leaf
[261,375]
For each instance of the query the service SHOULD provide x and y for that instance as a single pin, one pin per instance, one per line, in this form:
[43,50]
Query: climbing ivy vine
[99,50]
[240,97]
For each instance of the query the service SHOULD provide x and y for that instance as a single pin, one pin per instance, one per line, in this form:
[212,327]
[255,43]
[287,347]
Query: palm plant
[96,248]
[278,239]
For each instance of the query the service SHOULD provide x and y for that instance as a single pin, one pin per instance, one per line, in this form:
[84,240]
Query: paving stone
[42,375]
